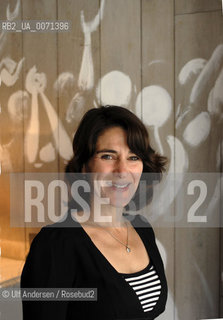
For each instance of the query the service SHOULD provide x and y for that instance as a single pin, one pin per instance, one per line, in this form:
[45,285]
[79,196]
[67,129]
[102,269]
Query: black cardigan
[65,257]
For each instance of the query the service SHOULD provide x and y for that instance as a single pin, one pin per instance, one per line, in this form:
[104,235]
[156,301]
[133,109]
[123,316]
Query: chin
[119,203]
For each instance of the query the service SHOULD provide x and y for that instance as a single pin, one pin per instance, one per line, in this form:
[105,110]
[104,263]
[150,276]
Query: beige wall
[140,54]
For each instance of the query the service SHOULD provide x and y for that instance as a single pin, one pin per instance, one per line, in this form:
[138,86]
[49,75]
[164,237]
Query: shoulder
[54,235]
[54,243]
[52,253]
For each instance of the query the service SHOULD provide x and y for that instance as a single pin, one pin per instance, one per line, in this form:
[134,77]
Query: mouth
[118,186]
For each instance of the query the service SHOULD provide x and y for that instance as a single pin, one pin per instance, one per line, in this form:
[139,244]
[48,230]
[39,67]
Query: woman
[99,245]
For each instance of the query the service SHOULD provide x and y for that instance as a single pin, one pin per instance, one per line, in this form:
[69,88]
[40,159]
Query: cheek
[103,167]
[138,174]
[141,168]
[138,169]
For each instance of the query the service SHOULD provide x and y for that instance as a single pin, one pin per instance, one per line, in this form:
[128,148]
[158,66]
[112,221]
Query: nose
[121,168]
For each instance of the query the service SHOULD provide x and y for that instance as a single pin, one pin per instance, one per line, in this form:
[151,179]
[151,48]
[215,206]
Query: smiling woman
[109,251]
[115,163]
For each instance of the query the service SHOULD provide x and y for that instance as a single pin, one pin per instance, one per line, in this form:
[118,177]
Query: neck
[103,215]
[107,215]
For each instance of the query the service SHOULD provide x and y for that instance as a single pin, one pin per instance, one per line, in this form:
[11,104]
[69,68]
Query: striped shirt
[147,286]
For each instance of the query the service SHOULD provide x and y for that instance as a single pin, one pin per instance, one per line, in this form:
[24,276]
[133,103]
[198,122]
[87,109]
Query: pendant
[128,249]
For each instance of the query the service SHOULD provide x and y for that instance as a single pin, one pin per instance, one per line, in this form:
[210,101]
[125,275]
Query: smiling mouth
[120,186]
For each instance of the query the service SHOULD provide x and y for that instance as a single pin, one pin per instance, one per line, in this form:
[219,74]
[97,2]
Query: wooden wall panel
[158,97]
[158,64]
[191,6]
[120,53]
[11,118]
[221,231]
[40,51]
[78,64]
[221,264]
[197,37]
[40,73]
[12,111]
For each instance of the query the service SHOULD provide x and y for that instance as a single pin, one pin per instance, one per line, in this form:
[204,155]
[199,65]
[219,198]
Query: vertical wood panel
[12,112]
[157,78]
[190,6]
[11,132]
[157,60]
[120,52]
[74,99]
[40,52]
[197,36]
[221,251]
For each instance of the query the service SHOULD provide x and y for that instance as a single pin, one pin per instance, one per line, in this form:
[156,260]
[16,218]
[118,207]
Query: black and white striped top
[146,285]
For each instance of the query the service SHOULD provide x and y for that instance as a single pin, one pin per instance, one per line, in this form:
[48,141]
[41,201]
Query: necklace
[127,247]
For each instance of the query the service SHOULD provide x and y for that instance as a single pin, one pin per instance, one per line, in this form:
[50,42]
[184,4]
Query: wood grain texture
[120,48]
[158,57]
[11,132]
[73,99]
[197,36]
[158,70]
[40,52]
[197,44]
[192,6]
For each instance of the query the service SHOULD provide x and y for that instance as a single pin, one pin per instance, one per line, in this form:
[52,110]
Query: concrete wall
[163,60]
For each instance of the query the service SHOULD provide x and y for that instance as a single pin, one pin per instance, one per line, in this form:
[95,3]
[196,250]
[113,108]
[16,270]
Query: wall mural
[153,104]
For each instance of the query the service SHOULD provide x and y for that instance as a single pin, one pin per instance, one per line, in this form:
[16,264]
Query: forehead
[112,137]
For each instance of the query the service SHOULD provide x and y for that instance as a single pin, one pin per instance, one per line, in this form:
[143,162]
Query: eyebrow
[109,151]
[106,150]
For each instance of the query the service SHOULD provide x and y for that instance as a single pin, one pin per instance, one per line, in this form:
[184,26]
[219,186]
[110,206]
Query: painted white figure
[63,85]
[47,153]
[192,67]
[198,129]
[169,187]
[114,88]
[215,99]
[64,82]
[155,62]
[5,159]
[11,15]
[35,82]
[61,139]
[208,75]
[19,105]
[155,105]
[10,71]
[75,110]
[35,85]
[86,76]
[181,114]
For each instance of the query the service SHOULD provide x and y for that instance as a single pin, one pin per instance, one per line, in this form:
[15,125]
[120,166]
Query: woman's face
[115,169]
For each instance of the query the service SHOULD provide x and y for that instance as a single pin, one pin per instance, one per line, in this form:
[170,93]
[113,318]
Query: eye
[134,158]
[107,157]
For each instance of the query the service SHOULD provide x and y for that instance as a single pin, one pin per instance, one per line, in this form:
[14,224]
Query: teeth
[110,184]
[120,186]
